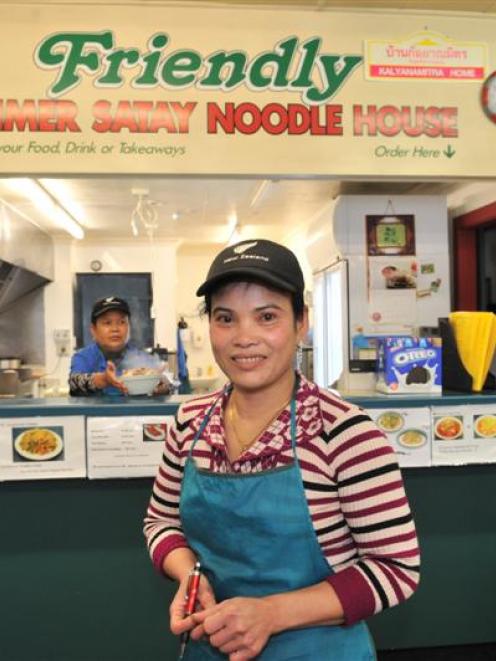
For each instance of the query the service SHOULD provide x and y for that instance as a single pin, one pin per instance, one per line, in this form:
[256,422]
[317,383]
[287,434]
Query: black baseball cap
[109,303]
[261,259]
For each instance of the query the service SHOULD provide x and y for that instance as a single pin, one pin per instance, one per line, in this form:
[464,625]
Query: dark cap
[257,258]
[109,303]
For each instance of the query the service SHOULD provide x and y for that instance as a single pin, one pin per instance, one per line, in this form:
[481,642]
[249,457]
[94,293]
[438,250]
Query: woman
[290,497]
[97,368]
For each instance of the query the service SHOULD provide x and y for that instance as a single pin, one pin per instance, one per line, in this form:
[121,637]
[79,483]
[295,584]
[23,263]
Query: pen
[189,608]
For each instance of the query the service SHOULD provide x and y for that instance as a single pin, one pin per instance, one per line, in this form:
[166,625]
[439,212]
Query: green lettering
[114,60]
[280,62]
[148,77]
[304,76]
[67,51]
[334,70]
[236,60]
[180,67]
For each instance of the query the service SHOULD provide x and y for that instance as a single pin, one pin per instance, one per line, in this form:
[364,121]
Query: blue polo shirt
[91,359]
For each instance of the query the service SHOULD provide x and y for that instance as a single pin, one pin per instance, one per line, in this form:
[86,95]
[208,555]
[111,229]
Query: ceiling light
[260,190]
[60,190]
[175,215]
[235,235]
[46,203]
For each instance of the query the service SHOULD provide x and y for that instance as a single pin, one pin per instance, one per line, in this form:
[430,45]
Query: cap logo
[109,299]
[245,246]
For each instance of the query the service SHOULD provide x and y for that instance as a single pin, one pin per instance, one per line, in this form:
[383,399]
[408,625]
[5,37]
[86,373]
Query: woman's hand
[111,376]
[108,378]
[205,599]
[239,627]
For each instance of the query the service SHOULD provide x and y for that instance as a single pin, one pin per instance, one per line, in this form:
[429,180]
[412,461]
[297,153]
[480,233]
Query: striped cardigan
[352,483]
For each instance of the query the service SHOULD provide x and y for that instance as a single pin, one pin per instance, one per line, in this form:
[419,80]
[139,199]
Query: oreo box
[409,364]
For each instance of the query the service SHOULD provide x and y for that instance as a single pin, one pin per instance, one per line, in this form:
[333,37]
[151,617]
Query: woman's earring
[299,357]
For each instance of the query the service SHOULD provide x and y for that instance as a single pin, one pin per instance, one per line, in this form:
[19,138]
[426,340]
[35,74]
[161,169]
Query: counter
[73,566]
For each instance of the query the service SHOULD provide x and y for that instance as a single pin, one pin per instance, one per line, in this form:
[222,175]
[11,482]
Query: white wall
[192,267]
[348,239]
[59,309]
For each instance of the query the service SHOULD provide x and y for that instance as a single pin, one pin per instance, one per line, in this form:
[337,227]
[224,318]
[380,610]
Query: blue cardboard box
[409,365]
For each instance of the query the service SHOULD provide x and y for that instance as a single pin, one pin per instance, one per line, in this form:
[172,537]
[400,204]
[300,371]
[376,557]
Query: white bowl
[141,385]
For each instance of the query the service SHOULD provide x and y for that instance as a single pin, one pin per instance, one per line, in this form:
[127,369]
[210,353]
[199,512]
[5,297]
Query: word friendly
[289,66]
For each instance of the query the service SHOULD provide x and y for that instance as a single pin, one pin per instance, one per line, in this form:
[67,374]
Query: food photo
[155,431]
[448,428]
[390,421]
[412,438]
[38,443]
[485,426]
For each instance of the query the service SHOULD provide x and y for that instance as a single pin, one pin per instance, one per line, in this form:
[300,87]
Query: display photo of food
[448,428]
[485,426]
[390,421]
[37,443]
[412,438]
[155,431]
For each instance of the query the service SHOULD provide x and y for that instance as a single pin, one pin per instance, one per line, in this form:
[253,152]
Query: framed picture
[392,234]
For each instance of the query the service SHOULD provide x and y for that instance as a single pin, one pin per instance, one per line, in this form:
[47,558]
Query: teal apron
[254,536]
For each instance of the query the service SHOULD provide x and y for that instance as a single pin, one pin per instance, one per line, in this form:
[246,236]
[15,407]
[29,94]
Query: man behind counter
[96,368]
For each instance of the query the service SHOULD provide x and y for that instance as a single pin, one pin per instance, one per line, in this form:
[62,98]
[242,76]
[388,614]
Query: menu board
[463,435]
[42,448]
[408,431]
[125,446]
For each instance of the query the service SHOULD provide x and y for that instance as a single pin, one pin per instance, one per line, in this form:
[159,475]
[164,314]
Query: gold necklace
[232,411]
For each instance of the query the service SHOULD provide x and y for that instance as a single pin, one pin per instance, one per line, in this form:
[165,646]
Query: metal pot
[9,363]
[25,373]
[9,382]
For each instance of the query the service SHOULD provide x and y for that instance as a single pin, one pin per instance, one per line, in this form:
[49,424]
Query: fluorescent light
[234,228]
[48,205]
[259,192]
[62,194]
[5,226]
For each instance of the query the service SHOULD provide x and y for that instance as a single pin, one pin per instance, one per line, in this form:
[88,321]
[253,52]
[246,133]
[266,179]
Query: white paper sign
[125,446]
[408,431]
[42,448]
[463,435]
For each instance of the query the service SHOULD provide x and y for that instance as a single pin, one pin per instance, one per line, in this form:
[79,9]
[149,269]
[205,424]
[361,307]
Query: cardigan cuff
[354,593]
[163,549]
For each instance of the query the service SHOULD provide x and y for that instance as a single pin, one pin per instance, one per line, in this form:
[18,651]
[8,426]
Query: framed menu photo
[42,448]
[392,234]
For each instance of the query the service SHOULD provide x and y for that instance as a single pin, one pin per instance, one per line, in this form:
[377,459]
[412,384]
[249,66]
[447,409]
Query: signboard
[42,448]
[224,91]
[464,435]
[125,446]
[408,431]
[425,55]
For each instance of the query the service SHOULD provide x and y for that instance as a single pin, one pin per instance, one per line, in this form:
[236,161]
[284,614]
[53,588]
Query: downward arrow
[449,151]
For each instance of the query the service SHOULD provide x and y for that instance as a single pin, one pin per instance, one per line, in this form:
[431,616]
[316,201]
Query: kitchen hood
[15,282]
[26,256]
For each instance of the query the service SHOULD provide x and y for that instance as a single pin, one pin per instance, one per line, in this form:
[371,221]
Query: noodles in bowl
[448,428]
[141,380]
[412,438]
[38,444]
[486,426]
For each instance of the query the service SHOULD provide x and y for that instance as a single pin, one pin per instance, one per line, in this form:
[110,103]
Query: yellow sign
[216,91]
[425,56]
